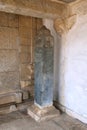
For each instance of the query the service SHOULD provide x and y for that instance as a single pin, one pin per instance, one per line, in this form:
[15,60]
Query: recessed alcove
[17,34]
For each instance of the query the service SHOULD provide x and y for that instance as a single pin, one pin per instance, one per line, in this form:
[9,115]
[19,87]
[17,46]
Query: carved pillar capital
[64,25]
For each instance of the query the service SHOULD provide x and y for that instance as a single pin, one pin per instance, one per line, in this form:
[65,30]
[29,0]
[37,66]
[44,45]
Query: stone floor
[19,120]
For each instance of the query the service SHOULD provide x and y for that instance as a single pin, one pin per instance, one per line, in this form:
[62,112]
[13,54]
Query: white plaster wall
[73,91]
[70,68]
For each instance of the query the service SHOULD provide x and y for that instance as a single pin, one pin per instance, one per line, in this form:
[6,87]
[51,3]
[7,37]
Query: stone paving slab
[21,121]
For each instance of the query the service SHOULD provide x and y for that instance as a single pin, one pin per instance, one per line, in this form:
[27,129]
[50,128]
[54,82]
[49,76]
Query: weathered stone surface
[14,38]
[5,110]
[13,20]
[4,37]
[16,47]
[34,8]
[78,7]
[25,21]
[25,58]
[44,54]
[25,32]
[9,80]
[68,1]
[64,25]
[8,60]
[39,24]
[24,41]
[25,94]
[25,72]
[10,97]
[43,114]
[25,49]
[13,108]
[28,27]
[28,88]
[3,19]
[8,38]
[16,35]
[25,84]
[64,1]
[44,9]
[19,121]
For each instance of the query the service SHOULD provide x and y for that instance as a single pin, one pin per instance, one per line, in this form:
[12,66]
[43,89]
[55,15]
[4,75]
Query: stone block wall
[28,27]
[17,35]
[9,46]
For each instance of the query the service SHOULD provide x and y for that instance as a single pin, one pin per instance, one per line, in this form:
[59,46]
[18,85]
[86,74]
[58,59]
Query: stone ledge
[39,8]
[10,97]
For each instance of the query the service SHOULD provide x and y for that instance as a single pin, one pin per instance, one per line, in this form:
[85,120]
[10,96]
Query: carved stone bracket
[78,7]
[64,25]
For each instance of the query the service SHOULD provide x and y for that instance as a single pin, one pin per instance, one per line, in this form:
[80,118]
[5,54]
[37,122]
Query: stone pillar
[44,68]
[44,56]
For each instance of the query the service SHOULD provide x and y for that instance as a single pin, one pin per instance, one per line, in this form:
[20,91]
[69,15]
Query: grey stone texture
[44,55]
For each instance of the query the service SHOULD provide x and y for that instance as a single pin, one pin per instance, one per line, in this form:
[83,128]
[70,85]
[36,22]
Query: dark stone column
[44,68]
[44,54]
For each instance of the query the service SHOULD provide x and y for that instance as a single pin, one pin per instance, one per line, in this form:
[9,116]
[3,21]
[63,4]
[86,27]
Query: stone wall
[17,35]
[9,49]
[28,27]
